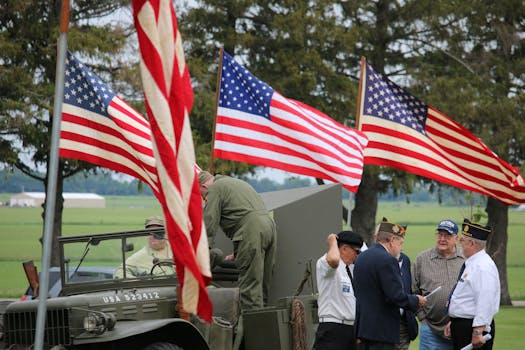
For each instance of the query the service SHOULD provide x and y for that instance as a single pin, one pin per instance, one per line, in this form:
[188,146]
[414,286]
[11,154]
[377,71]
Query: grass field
[20,229]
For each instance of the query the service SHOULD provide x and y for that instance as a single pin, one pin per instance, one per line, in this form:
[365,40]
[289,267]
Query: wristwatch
[477,332]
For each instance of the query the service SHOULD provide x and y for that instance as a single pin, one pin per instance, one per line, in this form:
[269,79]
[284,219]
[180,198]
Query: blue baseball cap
[448,225]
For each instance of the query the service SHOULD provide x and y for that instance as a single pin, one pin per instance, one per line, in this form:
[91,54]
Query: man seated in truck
[157,250]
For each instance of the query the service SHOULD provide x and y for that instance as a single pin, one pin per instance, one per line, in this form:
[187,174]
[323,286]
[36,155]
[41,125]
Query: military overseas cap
[448,225]
[154,221]
[351,238]
[204,176]
[477,231]
[390,227]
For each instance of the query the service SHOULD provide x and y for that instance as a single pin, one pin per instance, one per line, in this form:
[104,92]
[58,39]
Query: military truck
[92,311]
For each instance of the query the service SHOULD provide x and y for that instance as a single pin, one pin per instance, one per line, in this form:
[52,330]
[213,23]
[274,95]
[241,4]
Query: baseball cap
[448,225]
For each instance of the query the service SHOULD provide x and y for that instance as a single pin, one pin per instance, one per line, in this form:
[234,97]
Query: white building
[71,200]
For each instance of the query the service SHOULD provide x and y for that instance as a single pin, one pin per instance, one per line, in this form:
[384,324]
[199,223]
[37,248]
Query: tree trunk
[365,208]
[57,224]
[497,243]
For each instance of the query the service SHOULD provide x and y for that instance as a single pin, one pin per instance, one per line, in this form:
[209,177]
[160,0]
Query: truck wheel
[162,346]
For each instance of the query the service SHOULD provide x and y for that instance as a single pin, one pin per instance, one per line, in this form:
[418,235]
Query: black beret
[350,238]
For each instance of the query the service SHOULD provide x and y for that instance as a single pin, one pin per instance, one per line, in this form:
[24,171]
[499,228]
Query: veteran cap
[448,225]
[351,238]
[477,231]
[390,227]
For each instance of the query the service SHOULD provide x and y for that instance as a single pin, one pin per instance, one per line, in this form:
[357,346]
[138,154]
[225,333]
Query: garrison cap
[154,221]
[351,238]
[204,176]
[390,227]
[474,230]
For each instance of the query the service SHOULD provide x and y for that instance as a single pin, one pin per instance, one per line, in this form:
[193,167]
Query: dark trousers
[461,332]
[334,336]
[376,345]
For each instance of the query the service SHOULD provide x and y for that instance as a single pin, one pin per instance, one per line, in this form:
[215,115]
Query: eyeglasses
[356,250]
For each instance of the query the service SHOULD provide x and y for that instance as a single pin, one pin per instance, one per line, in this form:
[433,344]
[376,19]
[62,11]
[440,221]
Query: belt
[336,320]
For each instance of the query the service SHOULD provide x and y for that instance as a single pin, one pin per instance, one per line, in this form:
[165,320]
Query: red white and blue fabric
[407,134]
[257,125]
[169,98]
[100,128]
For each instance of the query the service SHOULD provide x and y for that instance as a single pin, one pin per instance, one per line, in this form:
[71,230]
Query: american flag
[257,125]
[407,134]
[169,98]
[100,128]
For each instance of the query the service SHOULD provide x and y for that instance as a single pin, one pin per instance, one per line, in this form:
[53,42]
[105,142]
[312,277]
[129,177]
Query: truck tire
[162,346]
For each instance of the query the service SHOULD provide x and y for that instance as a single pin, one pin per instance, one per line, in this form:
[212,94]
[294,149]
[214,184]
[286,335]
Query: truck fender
[172,330]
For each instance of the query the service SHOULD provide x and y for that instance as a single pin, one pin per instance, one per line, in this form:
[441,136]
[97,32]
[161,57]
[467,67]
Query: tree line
[105,184]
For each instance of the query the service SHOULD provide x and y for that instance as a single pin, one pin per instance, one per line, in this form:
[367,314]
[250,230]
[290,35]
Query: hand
[332,239]
[422,300]
[447,330]
[477,341]
[229,257]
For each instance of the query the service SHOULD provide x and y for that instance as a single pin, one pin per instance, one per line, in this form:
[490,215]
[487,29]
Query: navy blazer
[406,278]
[380,294]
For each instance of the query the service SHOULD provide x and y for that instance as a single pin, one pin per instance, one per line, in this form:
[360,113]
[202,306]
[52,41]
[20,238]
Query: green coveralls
[238,209]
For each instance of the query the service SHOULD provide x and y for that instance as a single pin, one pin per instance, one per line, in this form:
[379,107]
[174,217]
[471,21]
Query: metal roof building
[71,200]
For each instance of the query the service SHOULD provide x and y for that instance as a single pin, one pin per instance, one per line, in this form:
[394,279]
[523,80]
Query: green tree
[28,49]
[487,78]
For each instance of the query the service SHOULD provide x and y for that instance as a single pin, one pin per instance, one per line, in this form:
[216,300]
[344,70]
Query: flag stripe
[256,124]
[271,136]
[430,161]
[408,135]
[111,131]
[169,98]
[268,158]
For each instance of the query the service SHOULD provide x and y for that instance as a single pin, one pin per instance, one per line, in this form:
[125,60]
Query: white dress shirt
[477,293]
[336,296]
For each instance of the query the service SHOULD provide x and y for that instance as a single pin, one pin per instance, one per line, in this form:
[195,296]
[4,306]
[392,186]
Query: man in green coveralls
[238,209]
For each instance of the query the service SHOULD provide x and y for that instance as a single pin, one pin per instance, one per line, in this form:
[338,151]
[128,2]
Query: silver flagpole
[52,176]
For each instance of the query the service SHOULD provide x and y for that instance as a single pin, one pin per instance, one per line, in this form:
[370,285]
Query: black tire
[162,346]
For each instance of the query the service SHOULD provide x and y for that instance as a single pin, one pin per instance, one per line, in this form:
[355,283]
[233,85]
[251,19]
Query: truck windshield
[116,257]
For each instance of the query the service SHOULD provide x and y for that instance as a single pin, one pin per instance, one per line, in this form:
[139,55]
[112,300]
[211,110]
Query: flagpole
[359,95]
[52,175]
[219,74]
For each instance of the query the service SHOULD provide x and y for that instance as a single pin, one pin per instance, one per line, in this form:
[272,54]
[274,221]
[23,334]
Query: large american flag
[100,128]
[407,134]
[257,125]
[169,98]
